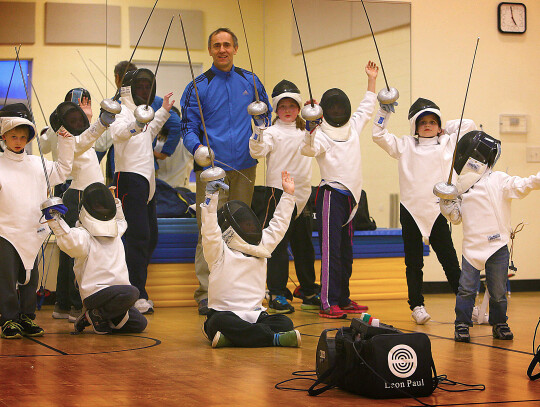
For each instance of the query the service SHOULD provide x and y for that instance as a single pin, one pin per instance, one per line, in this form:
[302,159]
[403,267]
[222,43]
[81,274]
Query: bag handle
[315,392]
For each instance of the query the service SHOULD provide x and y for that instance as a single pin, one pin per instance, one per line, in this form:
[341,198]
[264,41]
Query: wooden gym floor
[172,363]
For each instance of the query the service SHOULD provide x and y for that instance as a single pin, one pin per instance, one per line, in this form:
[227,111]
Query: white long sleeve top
[135,153]
[86,169]
[100,262]
[237,282]
[486,213]
[341,161]
[281,145]
[22,190]
[422,163]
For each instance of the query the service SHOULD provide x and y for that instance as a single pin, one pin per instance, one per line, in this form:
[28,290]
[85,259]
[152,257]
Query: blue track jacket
[224,97]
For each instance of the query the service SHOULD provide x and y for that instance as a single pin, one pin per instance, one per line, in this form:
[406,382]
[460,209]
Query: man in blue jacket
[225,91]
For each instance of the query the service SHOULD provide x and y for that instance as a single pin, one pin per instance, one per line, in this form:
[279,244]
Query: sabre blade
[249,54]
[158,62]
[92,76]
[196,90]
[303,55]
[49,190]
[462,111]
[12,72]
[117,95]
[376,47]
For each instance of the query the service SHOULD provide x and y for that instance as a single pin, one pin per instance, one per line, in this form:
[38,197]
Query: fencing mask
[336,107]
[476,151]
[97,211]
[17,111]
[285,89]
[71,117]
[141,84]
[241,228]
[419,108]
[76,94]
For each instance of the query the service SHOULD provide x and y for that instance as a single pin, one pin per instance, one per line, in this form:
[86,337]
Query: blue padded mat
[177,240]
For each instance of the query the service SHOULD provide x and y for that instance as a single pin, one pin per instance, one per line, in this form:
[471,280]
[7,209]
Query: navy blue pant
[245,334]
[335,238]
[299,236]
[67,294]
[140,238]
[113,302]
[441,242]
[11,270]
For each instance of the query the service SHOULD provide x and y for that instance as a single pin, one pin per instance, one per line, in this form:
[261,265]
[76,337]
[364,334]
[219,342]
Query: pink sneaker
[354,308]
[333,312]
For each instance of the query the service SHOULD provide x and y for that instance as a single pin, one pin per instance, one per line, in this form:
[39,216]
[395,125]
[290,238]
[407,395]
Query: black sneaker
[461,333]
[29,327]
[81,322]
[101,325]
[502,331]
[312,302]
[279,305]
[11,330]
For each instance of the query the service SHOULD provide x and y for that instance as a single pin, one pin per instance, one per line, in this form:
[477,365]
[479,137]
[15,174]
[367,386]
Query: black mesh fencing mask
[420,105]
[336,107]
[71,116]
[479,146]
[99,202]
[16,110]
[242,219]
[143,86]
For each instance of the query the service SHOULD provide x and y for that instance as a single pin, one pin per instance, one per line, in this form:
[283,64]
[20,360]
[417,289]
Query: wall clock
[512,18]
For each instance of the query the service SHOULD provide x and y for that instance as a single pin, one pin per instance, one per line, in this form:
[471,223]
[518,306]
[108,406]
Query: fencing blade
[90,72]
[12,72]
[447,190]
[49,189]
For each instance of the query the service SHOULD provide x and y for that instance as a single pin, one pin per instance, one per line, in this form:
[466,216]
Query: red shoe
[333,312]
[354,308]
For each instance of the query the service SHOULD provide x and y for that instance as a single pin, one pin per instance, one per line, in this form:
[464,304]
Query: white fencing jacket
[135,153]
[100,262]
[281,145]
[341,161]
[422,163]
[237,282]
[22,190]
[485,212]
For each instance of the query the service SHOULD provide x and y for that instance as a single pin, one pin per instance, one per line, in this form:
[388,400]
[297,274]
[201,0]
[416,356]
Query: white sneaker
[142,305]
[420,315]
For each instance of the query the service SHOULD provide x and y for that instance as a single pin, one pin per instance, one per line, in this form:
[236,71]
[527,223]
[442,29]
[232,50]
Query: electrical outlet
[533,154]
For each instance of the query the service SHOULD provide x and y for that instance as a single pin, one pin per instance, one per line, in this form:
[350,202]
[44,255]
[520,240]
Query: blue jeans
[496,278]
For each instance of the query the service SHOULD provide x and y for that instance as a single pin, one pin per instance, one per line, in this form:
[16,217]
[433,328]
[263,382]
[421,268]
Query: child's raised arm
[372,70]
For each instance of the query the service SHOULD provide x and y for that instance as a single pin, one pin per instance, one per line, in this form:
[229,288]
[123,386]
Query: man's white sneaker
[420,315]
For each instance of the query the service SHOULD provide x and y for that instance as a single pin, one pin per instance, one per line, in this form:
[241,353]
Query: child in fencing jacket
[423,160]
[336,145]
[236,249]
[483,205]
[100,263]
[23,187]
[280,144]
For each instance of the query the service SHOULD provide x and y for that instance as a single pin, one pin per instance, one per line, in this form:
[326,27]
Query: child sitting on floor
[236,249]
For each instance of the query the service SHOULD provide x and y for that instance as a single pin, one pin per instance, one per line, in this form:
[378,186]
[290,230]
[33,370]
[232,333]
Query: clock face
[512,18]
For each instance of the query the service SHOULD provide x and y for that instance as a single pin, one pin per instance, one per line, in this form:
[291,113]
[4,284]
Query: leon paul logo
[402,361]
